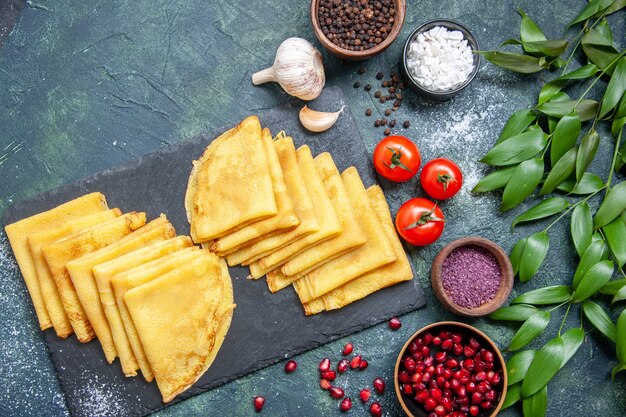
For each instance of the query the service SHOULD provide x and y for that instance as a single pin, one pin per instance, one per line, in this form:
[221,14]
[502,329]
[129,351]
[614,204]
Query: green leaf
[613,287]
[581,227]
[599,319]
[524,64]
[529,31]
[619,296]
[618,368]
[516,255]
[517,366]
[586,109]
[613,205]
[572,340]
[564,136]
[594,279]
[587,151]
[599,49]
[544,296]
[536,405]
[594,253]
[516,124]
[616,88]
[549,90]
[615,233]
[550,48]
[617,5]
[548,207]
[534,253]
[493,181]
[518,312]
[560,172]
[620,344]
[546,364]
[589,184]
[513,395]
[533,327]
[594,6]
[522,183]
[516,149]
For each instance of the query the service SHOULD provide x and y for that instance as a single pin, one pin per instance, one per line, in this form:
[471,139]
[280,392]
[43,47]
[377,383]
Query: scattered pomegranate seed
[290,366]
[376,410]
[259,402]
[365,395]
[324,365]
[325,385]
[343,365]
[347,349]
[395,323]
[363,365]
[346,404]
[379,385]
[336,392]
[329,375]
[355,362]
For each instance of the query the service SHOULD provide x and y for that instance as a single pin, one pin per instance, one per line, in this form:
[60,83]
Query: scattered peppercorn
[397,103]
[387,132]
[361,70]
[385,84]
[357,84]
[368,112]
[377,94]
[387,112]
[406,124]
[380,76]
[399,96]
[383,122]
[377,123]
[367,87]
[392,123]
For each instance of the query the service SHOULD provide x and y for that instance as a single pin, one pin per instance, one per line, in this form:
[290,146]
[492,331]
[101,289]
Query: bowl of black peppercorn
[357,31]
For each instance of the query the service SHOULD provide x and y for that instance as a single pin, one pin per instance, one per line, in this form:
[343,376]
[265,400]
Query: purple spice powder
[470,276]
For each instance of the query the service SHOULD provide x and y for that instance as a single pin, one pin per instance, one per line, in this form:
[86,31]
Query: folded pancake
[18,232]
[326,215]
[81,274]
[385,276]
[179,317]
[139,275]
[107,270]
[303,206]
[49,291]
[59,253]
[285,218]
[235,168]
[376,252]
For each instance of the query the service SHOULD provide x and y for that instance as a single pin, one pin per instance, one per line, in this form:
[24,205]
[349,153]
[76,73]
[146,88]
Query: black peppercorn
[377,123]
[357,84]
[387,132]
[380,76]
[392,123]
[367,87]
[406,124]
[361,70]
[387,112]
[377,94]
[368,112]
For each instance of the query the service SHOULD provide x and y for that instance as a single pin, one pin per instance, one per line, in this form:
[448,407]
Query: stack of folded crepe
[97,273]
[294,218]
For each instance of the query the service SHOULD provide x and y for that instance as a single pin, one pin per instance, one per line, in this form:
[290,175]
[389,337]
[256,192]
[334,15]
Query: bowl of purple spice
[472,276]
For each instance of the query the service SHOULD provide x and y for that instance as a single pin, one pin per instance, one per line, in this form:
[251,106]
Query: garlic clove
[298,68]
[318,121]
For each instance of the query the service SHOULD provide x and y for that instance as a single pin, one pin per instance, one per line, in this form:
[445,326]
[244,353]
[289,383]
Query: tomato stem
[425,217]
[396,159]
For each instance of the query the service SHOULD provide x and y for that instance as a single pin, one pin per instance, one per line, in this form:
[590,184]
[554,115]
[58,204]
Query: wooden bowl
[400,6]
[506,277]
[414,409]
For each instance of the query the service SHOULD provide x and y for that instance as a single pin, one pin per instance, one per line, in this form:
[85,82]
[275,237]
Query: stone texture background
[85,86]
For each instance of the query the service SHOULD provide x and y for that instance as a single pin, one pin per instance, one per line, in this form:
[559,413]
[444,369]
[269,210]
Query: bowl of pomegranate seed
[450,369]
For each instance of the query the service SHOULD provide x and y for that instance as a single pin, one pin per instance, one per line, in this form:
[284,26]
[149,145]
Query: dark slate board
[156,183]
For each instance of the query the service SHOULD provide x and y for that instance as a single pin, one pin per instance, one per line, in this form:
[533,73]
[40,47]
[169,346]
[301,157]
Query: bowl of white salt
[438,59]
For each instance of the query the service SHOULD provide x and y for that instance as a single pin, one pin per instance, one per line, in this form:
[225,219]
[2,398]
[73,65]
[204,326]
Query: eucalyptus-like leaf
[599,49]
[581,227]
[589,184]
[594,253]
[616,88]
[516,149]
[613,287]
[587,151]
[618,368]
[524,64]
[560,172]
[617,5]
[544,296]
[516,124]
[494,181]
[544,366]
[586,109]
[616,128]
[592,8]
[537,404]
[534,253]
[612,206]
[518,365]
[615,233]
[549,90]
[620,339]
[594,279]
[549,48]
[572,340]
[546,208]
[522,183]
[619,296]
[516,254]
[513,395]
[564,136]
[533,327]
[529,31]
[604,28]
[518,312]
[599,319]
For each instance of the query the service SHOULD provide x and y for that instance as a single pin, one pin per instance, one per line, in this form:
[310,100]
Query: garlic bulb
[298,68]
[318,121]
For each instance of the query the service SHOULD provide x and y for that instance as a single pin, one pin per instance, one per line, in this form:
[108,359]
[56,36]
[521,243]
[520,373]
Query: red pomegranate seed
[471,387]
[480,376]
[483,387]
[487,356]
[474,343]
[477,398]
[444,334]
[347,349]
[416,378]
[457,338]
[403,377]
[363,365]
[455,384]
[407,389]
[346,404]
[452,363]
[430,404]
[365,395]
[496,379]
[413,347]
[447,404]
[290,366]
[486,405]
[432,384]
[490,395]
[440,411]
[409,364]
[356,361]
[474,411]
[329,375]
[441,357]
[439,369]
[447,373]
[469,351]
[379,385]
[426,377]
[447,344]
[436,393]
[259,402]
[461,392]
[457,349]
[376,410]
[417,356]
[325,385]
[463,401]
[428,361]
[336,392]
[428,338]
[343,365]
[441,381]
[394,323]
[422,396]
[468,364]
[437,341]
[324,365]
[425,350]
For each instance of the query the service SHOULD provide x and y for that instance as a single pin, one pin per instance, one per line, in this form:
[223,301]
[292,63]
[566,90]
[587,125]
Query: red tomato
[419,221]
[441,178]
[397,158]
